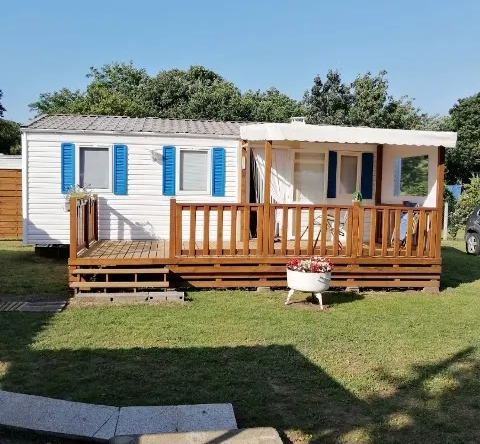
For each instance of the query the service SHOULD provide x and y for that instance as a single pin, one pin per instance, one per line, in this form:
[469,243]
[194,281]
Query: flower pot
[66,206]
[309,282]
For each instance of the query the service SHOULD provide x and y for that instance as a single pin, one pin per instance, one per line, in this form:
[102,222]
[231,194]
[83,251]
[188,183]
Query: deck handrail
[296,229]
[83,224]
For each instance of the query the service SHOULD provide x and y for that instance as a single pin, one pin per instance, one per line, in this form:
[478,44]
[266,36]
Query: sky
[430,48]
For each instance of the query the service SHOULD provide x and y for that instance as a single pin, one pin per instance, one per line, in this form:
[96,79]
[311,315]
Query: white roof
[302,132]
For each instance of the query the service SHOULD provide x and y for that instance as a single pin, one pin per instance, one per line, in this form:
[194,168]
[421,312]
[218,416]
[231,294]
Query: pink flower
[315,264]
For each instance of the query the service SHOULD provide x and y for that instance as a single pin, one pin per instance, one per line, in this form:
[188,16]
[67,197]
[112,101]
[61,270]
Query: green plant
[468,201]
[78,192]
[357,196]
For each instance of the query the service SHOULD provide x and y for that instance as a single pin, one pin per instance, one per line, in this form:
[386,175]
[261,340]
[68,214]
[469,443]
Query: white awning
[302,132]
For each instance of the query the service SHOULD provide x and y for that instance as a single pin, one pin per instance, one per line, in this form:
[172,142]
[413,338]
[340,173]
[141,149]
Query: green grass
[22,273]
[375,368]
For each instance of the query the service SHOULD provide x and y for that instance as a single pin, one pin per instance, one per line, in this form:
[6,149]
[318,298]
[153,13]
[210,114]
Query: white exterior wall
[142,214]
[392,152]
[10,162]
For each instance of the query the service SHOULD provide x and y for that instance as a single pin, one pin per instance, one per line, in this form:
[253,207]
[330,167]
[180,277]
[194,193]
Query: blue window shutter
[169,171]
[218,172]
[68,166]
[332,175]
[120,169]
[367,176]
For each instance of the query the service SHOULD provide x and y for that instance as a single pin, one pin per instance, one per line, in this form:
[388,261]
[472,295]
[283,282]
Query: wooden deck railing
[83,224]
[209,229]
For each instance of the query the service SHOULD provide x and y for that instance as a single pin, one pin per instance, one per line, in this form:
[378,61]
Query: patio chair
[342,231]
[404,225]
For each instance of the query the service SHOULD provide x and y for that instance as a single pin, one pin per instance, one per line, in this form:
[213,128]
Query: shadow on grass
[458,267]
[272,385]
[23,273]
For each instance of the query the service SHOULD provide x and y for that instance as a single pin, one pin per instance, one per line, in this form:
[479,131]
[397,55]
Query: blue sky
[430,48]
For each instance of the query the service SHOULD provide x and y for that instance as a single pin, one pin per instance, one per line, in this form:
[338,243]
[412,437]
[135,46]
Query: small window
[348,174]
[411,176]
[94,168]
[194,171]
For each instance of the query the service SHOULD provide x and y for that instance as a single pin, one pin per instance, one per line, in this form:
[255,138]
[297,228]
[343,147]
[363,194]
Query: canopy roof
[298,131]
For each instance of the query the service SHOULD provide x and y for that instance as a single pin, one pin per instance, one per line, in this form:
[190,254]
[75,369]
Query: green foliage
[464,160]
[468,201]
[449,198]
[2,109]
[414,177]
[196,93]
[10,137]
[364,102]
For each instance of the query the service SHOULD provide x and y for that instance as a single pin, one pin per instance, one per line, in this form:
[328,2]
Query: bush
[468,201]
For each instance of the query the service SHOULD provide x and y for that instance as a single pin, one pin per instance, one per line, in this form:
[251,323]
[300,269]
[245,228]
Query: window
[348,173]
[194,171]
[410,176]
[95,168]
[309,177]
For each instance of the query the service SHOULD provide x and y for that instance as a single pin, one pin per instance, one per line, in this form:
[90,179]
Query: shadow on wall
[126,228]
[268,386]
[458,268]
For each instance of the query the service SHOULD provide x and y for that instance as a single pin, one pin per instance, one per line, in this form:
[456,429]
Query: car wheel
[472,243]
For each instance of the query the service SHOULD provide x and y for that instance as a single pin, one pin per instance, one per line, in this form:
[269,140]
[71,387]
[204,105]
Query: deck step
[146,284]
[120,271]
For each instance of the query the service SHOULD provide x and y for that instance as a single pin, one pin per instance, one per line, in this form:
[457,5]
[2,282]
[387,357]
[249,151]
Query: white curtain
[279,186]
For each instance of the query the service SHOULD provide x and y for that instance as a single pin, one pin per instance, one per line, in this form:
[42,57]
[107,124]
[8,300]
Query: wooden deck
[366,248]
[159,249]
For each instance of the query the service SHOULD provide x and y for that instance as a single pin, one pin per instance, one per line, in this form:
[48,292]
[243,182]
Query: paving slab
[244,436]
[203,417]
[54,416]
[145,420]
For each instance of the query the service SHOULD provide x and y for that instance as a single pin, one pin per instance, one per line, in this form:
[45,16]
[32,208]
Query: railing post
[73,228]
[173,216]
[86,220]
[356,247]
[95,217]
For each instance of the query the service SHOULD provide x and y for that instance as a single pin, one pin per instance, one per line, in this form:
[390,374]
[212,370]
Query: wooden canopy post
[243,184]
[379,175]
[440,186]
[267,236]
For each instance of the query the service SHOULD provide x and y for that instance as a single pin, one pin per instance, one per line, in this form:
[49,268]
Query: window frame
[356,154]
[110,166]
[180,192]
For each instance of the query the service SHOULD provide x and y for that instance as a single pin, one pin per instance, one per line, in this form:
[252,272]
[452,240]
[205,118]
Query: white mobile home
[192,191]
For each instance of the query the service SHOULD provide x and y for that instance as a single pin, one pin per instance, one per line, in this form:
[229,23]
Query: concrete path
[101,423]
[37,307]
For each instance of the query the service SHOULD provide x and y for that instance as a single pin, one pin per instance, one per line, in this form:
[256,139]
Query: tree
[328,102]
[2,109]
[464,160]
[364,102]
[10,137]
[196,93]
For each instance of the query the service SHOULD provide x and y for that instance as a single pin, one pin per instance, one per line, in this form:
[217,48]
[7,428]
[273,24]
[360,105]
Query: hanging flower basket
[311,275]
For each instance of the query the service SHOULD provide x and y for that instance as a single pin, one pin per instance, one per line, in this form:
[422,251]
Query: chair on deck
[342,231]
[404,225]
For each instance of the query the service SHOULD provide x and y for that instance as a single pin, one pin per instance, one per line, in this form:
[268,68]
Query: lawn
[27,276]
[374,368]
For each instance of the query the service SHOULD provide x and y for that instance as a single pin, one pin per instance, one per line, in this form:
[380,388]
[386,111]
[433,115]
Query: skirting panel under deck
[222,273]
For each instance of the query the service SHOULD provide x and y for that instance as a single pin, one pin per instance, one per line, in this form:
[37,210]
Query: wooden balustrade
[83,224]
[210,229]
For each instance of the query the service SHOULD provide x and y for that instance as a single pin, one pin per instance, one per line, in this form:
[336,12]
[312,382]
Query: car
[472,233]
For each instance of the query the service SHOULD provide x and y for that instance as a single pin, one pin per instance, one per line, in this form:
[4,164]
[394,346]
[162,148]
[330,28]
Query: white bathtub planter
[311,275]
